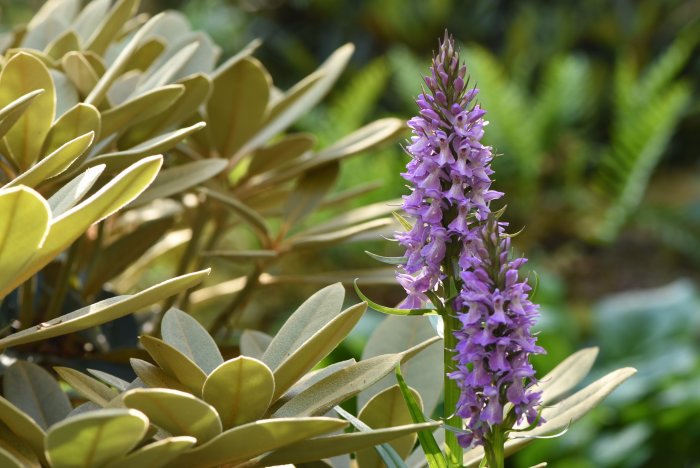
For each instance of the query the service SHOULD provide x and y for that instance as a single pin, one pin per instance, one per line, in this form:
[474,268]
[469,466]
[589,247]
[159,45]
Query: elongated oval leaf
[178,179]
[104,311]
[34,391]
[23,426]
[185,334]
[325,394]
[177,412]
[24,226]
[155,455]
[55,163]
[240,389]
[254,343]
[139,108]
[154,376]
[8,460]
[309,192]
[80,72]
[319,345]
[237,104]
[22,74]
[74,191]
[71,224]
[560,415]
[423,373]
[95,438]
[11,112]
[250,440]
[280,153]
[111,25]
[90,388]
[17,449]
[79,120]
[566,375]
[308,319]
[387,409]
[174,363]
[330,446]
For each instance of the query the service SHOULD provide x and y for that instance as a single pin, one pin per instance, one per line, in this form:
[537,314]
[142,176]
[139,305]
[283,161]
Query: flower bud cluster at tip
[450,181]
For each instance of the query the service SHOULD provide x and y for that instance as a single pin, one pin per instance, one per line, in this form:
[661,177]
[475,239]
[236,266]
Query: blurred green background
[594,109]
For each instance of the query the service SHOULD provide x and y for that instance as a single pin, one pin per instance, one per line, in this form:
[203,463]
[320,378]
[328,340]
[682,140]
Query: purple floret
[450,181]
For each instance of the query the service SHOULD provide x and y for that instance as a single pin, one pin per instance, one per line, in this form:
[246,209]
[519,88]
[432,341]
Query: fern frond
[639,139]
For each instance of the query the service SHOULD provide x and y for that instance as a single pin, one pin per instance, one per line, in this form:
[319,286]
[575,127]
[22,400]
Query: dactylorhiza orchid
[458,258]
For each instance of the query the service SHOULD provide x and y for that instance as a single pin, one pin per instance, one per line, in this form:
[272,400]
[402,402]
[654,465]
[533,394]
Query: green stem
[26,311]
[235,308]
[494,447]
[62,283]
[453,450]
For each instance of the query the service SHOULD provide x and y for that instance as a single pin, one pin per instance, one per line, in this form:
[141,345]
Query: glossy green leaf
[240,389]
[308,193]
[185,334]
[174,363]
[160,144]
[560,415]
[177,412]
[90,18]
[70,225]
[52,18]
[423,372]
[250,440]
[254,343]
[79,120]
[18,449]
[55,163]
[154,377]
[311,378]
[11,112]
[74,191]
[120,254]
[237,104]
[103,311]
[329,446]
[301,97]
[8,460]
[325,394]
[111,25]
[22,74]
[90,388]
[95,438]
[22,425]
[281,153]
[146,54]
[197,90]
[178,179]
[24,226]
[155,455]
[306,321]
[34,391]
[117,66]
[139,108]
[66,94]
[303,358]
[388,409]
[66,42]
[165,72]
[431,449]
[80,72]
